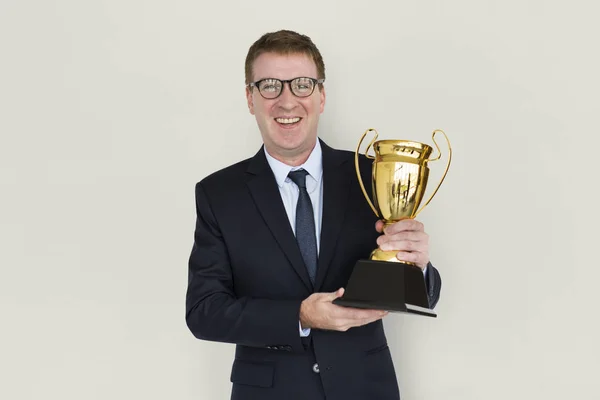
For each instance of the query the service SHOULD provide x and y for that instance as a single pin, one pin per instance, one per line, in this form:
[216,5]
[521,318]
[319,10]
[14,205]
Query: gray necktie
[305,224]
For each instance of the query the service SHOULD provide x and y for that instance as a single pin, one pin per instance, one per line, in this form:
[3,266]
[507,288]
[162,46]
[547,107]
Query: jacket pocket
[252,373]
[379,370]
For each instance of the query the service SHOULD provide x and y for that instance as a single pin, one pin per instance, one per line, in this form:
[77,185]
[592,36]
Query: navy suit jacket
[247,281]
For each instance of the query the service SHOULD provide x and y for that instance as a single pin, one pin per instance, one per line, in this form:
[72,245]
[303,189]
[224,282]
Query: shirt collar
[313,165]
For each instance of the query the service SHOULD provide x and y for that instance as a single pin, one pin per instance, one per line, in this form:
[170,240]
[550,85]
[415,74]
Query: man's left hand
[408,237]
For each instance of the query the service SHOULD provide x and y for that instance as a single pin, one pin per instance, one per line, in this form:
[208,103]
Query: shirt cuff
[303,332]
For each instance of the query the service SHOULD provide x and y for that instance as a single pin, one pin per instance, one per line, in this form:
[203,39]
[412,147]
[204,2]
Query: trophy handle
[362,186]
[435,159]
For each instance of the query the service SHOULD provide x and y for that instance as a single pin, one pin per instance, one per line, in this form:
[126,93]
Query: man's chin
[290,140]
[289,148]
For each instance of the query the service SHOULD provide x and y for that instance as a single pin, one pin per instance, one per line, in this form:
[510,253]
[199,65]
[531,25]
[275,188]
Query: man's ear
[322,102]
[250,100]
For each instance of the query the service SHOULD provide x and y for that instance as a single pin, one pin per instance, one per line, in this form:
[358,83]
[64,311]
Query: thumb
[379,226]
[334,295]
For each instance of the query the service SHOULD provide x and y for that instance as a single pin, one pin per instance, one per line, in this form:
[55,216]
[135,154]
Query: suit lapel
[336,189]
[265,193]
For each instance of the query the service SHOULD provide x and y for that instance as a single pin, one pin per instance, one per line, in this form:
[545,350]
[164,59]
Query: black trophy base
[390,286]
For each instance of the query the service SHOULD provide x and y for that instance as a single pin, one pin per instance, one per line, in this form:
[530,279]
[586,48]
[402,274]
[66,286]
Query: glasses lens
[270,88]
[302,87]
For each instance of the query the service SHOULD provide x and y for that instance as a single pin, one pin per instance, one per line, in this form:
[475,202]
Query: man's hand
[317,311]
[408,237]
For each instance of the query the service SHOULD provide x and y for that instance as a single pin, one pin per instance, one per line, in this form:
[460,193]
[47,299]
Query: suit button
[316,368]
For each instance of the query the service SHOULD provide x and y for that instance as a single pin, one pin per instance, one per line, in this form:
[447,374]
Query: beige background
[110,111]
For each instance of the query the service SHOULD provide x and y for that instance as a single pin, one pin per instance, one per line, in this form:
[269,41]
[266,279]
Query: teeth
[287,120]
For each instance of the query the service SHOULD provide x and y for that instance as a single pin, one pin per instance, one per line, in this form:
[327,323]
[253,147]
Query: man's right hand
[317,311]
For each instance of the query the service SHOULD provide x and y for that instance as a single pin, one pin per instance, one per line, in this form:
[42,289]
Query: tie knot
[299,177]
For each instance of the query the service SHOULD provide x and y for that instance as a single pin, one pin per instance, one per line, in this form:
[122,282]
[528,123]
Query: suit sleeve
[433,281]
[214,312]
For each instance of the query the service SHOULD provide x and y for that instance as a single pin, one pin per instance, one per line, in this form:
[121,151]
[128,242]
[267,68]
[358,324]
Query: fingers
[358,317]
[414,236]
[319,312]
[359,314]
[393,243]
[409,239]
[420,259]
[354,315]
[334,295]
[405,225]
[379,226]
[375,318]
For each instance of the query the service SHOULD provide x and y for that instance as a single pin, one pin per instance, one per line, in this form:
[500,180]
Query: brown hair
[284,42]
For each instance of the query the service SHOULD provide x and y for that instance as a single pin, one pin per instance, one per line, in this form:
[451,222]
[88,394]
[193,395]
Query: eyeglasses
[271,88]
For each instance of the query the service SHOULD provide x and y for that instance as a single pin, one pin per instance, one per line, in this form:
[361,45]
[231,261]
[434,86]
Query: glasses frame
[283,82]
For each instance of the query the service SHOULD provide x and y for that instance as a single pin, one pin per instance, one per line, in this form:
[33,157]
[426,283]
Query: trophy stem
[389,256]
[392,222]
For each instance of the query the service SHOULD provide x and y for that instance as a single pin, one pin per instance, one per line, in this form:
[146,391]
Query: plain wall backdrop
[111,111]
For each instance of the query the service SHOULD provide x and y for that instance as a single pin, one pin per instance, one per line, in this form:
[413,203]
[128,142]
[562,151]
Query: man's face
[288,124]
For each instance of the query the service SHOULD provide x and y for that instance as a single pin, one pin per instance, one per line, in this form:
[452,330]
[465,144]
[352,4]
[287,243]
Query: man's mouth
[288,122]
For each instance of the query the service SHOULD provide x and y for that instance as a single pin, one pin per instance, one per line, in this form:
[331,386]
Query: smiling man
[276,238]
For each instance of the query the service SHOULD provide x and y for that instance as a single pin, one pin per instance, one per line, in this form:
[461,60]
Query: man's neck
[292,159]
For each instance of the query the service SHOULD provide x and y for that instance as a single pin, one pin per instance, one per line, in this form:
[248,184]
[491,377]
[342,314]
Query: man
[276,238]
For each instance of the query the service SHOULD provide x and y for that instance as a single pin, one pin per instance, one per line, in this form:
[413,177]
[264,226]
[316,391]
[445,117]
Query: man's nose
[287,98]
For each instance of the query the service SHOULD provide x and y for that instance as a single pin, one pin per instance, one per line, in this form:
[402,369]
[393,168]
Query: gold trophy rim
[403,141]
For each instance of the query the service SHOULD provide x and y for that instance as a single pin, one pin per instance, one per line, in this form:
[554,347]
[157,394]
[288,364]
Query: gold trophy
[399,178]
